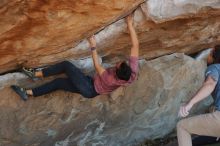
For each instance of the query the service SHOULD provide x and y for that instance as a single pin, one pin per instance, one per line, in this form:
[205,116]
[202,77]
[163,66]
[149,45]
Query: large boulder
[42,32]
[146,109]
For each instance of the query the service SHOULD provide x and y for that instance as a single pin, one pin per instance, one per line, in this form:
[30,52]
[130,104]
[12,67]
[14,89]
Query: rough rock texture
[35,28]
[144,110]
[163,10]
[41,32]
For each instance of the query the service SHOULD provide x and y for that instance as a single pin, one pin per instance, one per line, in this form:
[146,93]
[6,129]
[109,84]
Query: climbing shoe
[20,91]
[30,72]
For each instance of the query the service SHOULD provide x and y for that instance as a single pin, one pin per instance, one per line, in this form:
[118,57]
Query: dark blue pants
[75,82]
[204,140]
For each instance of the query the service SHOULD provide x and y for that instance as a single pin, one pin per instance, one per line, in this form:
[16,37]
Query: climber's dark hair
[124,71]
[216,54]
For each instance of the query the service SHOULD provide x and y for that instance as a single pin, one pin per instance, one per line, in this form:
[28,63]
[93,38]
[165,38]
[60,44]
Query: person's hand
[129,19]
[184,110]
[92,41]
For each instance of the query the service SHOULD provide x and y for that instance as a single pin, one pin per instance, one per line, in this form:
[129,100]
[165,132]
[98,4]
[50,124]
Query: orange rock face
[41,32]
[36,28]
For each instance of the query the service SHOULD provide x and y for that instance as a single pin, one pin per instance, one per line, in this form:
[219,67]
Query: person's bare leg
[29,92]
[39,74]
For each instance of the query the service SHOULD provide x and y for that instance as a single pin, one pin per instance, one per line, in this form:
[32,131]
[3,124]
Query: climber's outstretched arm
[133,36]
[97,65]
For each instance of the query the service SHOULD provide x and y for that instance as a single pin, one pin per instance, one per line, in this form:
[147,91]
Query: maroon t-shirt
[107,81]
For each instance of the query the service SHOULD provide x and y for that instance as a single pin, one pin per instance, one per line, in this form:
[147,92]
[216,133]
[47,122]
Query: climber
[206,124]
[104,81]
